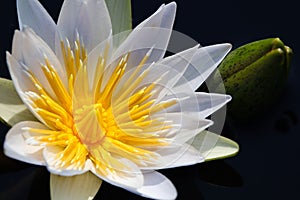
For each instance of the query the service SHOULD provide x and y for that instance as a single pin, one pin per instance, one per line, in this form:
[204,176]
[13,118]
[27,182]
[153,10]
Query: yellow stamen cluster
[88,122]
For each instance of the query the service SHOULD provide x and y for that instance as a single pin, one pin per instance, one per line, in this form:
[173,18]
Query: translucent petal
[175,155]
[125,179]
[154,33]
[183,130]
[164,74]
[172,68]
[32,52]
[31,13]
[183,126]
[182,121]
[199,104]
[16,147]
[104,51]
[88,19]
[22,82]
[188,155]
[85,114]
[202,65]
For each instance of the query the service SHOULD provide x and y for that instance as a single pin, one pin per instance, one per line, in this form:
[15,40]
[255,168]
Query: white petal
[183,121]
[190,156]
[31,13]
[172,68]
[175,155]
[179,152]
[84,186]
[21,80]
[202,65]
[88,18]
[185,155]
[198,104]
[22,83]
[154,33]
[124,179]
[50,156]
[185,135]
[165,74]
[156,186]
[31,51]
[180,61]
[16,147]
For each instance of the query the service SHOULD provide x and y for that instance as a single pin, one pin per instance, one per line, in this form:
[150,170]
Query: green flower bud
[254,75]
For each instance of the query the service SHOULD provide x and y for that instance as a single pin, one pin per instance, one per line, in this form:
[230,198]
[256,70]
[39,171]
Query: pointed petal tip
[198,46]
[32,13]
[228,98]
[229,46]
[172,4]
[170,7]
[16,31]
[209,123]
[224,46]
[8,55]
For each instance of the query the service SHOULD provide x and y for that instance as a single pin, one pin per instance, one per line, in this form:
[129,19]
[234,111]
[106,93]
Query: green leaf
[83,186]
[121,19]
[12,109]
[214,146]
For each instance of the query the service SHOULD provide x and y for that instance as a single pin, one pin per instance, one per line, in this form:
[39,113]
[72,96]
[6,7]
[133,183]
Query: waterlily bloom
[120,113]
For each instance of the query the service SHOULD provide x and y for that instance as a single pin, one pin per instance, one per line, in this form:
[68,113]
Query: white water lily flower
[119,113]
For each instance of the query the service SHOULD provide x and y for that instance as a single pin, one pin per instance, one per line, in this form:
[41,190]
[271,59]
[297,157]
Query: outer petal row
[32,14]
[16,147]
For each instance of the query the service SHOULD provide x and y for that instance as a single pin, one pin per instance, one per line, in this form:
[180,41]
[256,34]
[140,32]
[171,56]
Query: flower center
[88,122]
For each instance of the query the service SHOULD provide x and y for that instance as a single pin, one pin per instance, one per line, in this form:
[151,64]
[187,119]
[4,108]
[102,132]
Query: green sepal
[214,147]
[12,109]
[121,19]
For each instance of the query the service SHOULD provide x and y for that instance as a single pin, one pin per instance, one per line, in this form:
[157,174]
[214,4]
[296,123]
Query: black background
[267,166]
